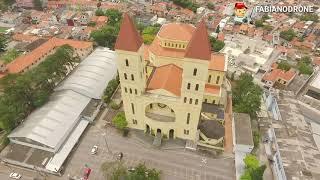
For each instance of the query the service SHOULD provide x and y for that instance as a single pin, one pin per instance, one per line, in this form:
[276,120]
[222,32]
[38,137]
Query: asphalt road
[174,164]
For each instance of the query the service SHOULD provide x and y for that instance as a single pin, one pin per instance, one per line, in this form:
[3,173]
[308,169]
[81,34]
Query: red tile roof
[24,61]
[199,46]
[177,31]
[128,39]
[212,89]
[217,62]
[275,74]
[168,77]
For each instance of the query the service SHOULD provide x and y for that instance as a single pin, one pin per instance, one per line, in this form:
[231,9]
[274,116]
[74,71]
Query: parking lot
[174,164]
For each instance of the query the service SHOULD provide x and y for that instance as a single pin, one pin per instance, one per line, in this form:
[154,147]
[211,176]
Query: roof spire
[199,46]
[128,39]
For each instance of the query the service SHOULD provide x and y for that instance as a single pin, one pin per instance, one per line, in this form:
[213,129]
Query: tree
[284,65]
[186,4]
[288,34]
[310,17]
[253,170]
[3,43]
[216,45]
[218,29]
[149,33]
[107,36]
[305,68]
[120,121]
[259,23]
[246,95]
[111,87]
[210,5]
[37,4]
[117,171]
[99,12]
[114,16]
[142,172]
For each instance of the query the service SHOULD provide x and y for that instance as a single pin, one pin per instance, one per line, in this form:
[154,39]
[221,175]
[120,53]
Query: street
[174,164]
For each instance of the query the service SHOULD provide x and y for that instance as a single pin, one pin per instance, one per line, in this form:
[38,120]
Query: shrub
[120,121]
[114,105]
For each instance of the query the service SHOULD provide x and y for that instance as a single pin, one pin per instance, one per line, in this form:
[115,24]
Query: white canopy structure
[57,125]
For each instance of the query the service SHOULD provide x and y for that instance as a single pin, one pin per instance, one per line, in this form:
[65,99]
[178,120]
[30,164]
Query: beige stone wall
[136,105]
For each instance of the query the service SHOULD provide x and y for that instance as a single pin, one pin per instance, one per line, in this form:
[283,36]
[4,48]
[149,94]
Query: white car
[94,150]
[14,175]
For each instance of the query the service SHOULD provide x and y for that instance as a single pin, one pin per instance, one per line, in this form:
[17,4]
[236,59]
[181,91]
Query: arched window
[209,78]
[125,90]
[125,76]
[188,86]
[188,118]
[135,91]
[132,107]
[185,99]
[197,87]
[195,71]
[196,102]
[132,77]
[127,62]
[130,91]
[218,78]
[190,101]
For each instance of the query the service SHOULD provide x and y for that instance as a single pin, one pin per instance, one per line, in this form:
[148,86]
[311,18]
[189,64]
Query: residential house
[278,76]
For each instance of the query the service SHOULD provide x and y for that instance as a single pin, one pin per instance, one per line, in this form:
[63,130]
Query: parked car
[14,175]
[94,150]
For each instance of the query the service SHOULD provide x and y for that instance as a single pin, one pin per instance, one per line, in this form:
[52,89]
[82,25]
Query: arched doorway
[171,134]
[158,131]
[147,129]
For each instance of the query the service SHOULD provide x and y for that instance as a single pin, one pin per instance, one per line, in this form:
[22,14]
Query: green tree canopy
[149,33]
[210,5]
[117,171]
[3,43]
[284,65]
[100,12]
[288,34]
[246,95]
[114,16]
[120,121]
[253,170]
[305,68]
[37,4]
[310,17]
[216,45]
[186,4]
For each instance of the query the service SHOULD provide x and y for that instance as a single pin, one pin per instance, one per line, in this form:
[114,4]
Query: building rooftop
[176,31]
[275,74]
[91,74]
[24,61]
[211,129]
[315,82]
[294,136]
[199,46]
[218,62]
[128,33]
[242,126]
[167,77]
